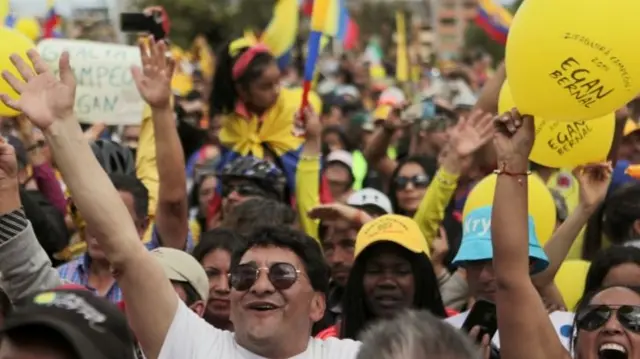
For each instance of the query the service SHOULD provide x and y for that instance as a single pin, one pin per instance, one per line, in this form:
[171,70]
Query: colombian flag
[52,22]
[494,20]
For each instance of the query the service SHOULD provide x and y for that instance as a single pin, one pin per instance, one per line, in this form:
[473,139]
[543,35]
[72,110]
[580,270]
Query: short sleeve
[191,337]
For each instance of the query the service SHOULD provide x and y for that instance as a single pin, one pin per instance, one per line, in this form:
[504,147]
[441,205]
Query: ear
[636,227]
[198,307]
[318,307]
[242,92]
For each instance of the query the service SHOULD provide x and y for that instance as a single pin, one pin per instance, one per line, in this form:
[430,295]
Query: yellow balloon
[566,144]
[570,281]
[579,64]
[541,205]
[12,42]
[29,27]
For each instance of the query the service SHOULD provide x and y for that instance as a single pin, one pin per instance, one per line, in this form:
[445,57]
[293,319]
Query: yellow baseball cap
[395,228]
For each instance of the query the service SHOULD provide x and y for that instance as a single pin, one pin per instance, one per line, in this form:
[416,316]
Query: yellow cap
[398,229]
[629,127]
[381,112]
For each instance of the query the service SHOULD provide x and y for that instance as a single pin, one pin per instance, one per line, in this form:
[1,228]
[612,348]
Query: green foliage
[218,20]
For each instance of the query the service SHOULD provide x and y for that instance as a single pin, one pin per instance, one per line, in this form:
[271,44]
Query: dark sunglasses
[593,318]
[419,181]
[243,190]
[281,275]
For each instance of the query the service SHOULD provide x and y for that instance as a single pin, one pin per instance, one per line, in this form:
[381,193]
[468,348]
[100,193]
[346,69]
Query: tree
[218,20]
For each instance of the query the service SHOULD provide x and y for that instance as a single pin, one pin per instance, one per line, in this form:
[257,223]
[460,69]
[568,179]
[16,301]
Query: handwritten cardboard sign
[106,91]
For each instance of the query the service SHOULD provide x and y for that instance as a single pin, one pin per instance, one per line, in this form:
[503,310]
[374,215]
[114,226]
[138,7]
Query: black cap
[94,327]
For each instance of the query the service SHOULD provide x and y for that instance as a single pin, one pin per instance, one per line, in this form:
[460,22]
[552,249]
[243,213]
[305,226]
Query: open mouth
[262,306]
[387,301]
[612,351]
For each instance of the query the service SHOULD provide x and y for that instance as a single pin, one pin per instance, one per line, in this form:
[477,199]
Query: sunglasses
[595,317]
[244,190]
[281,275]
[419,181]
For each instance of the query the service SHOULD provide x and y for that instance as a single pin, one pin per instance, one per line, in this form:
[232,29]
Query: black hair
[429,166]
[346,143]
[305,247]
[223,96]
[584,304]
[256,212]
[135,187]
[214,239]
[356,316]
[606,260]
[614,218]
[191,293]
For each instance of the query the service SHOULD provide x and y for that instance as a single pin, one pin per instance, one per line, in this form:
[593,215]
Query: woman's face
[388,281]
[610,340]
[411,184]
[263,91]
[216,264]
[333,141]
[206,192]
[627,274]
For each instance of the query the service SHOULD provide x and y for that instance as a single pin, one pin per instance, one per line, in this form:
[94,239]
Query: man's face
[93,248]
[291,312]
[237,191]
[339,179]
[338,245]
[629,148]
[481,279]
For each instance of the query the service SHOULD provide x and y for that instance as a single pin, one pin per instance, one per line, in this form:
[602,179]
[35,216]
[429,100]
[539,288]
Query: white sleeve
[191,337]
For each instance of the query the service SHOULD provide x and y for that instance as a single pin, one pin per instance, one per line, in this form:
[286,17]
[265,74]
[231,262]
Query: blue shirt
[77,270]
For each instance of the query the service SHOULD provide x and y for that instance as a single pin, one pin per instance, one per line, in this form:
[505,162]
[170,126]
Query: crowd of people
[216,228]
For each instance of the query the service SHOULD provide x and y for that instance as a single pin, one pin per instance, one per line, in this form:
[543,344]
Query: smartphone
[421,111]
[482,314]
[139,22]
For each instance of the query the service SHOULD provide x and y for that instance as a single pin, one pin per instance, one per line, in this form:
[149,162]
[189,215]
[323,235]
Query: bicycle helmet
[263,173]
[114,158]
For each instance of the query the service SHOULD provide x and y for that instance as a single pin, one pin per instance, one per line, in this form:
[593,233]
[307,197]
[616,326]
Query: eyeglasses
[245,190]
[595,317]
[281,275]
[419,181]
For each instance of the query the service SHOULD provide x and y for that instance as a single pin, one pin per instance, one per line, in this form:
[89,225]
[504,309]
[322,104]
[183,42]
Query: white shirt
[561,321]
[191,337]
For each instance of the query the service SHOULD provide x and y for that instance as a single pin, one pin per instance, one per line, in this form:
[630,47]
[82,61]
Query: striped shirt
[77,270]
[12,224]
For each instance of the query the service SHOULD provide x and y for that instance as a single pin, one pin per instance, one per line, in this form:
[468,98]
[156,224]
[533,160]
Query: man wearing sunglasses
[250,177]
[279,282]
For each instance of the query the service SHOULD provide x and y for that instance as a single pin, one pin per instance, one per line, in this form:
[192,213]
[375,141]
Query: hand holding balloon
[513,140]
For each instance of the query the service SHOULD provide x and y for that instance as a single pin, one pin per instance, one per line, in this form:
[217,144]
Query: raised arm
[154,84]
[521,312]
[48,102]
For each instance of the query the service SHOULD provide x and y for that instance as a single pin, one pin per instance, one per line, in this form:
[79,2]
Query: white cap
[180,266]
[370,197]
[341,156]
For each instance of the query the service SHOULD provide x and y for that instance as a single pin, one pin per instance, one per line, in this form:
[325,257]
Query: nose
[409,186]
[613,326]
[387,280]
[221,287]
[234,196]
[263,285]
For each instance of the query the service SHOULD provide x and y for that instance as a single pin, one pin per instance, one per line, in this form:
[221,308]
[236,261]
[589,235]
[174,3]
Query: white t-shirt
[562,322]
[191,337]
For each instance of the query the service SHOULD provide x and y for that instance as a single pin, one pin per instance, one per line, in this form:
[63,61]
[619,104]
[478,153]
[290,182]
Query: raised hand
[153,80]
[43,98]
[8,162]
[471,133]
[594,182]
[513,139]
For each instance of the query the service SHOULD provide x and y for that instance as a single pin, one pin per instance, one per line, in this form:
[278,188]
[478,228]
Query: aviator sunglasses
[281,275]
[419,181]
[596,316]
